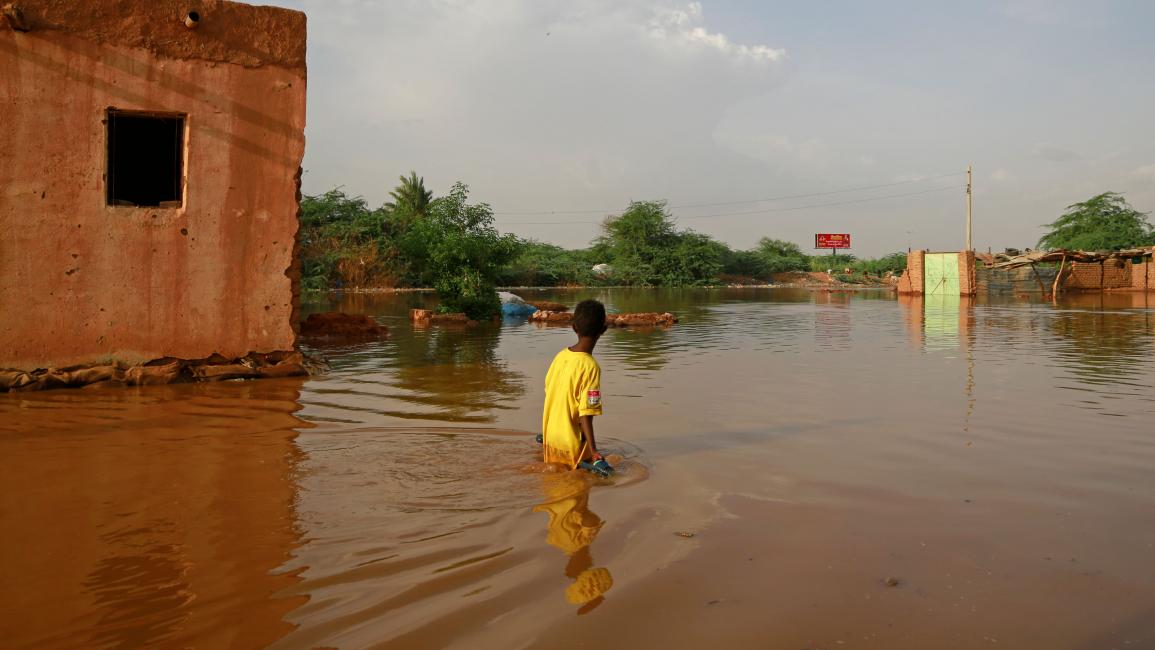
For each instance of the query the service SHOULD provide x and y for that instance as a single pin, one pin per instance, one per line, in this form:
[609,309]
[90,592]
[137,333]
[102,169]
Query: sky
[850,117]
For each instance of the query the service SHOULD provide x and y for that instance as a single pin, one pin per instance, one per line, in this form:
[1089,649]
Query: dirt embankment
[823,280]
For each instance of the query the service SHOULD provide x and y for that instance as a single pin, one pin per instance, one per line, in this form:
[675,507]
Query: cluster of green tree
[452,245]
[1102,223]
[344,243]
[456,250]
[414,240]
[893,263]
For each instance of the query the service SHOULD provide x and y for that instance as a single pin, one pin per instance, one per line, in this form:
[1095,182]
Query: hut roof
[1001,261]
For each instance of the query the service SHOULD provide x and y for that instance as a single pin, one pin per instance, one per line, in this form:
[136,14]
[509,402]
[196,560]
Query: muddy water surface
[799,470]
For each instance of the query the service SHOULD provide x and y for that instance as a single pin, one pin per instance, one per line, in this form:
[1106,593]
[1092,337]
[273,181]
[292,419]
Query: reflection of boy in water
[573,394]
[572,528]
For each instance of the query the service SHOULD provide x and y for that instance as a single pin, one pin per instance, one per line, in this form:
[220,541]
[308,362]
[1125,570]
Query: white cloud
[537,104]
[1001,175]
[1146,171]
[561,105]
[1055,154]
[682,26]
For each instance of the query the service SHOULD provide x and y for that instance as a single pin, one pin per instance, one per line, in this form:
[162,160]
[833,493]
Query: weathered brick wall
[83,281]
[1143,275]
[1107,275]
[911,281]
[1116,275]
[967,282]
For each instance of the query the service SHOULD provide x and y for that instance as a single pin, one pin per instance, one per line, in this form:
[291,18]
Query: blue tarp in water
[512,305]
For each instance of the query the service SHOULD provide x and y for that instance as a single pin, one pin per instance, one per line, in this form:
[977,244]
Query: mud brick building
[150,156]
[939,274]
[959,273]
[1113,274]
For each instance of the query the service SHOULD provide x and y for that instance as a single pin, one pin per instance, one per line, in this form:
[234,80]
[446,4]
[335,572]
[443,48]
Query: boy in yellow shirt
[573,396]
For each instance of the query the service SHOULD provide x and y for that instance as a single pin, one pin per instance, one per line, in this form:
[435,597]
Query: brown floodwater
[798,470]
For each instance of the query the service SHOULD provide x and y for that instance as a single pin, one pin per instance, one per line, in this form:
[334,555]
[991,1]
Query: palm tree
[410,198]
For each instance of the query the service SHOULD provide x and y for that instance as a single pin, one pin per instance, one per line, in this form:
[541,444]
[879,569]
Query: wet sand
[991,460]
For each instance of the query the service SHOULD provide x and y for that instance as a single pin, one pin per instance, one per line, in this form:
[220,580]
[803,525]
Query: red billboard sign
[829,240]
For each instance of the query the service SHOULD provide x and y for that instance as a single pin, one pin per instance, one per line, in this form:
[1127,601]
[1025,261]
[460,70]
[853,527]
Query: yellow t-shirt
[573,388]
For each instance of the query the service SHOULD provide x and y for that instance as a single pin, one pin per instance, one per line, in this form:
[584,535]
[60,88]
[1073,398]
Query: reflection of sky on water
[1105,354]
[832,321]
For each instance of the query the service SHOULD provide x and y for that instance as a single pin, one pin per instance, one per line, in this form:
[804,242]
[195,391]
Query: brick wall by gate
[935,273]
[1095,276]
[1143,275]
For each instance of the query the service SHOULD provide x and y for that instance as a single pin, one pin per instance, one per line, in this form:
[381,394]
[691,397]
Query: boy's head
[589,319]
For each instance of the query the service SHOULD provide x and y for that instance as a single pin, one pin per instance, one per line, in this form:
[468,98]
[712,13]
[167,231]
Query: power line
[765,200]
[824,205]
[764,211]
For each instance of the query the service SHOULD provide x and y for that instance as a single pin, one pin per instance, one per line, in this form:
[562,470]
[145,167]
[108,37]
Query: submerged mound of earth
[337,324]
[545,305]
[642,319]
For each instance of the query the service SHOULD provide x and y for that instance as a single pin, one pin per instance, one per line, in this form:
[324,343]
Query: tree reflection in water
[644,348]
[1100,344]
[429,366]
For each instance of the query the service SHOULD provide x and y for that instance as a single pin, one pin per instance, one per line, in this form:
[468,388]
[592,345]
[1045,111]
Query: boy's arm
[587,425]
[589,405]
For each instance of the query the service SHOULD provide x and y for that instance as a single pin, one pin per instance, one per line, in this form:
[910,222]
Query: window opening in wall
[145,159]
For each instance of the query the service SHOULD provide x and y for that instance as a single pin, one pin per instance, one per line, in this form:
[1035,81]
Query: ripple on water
[444,469]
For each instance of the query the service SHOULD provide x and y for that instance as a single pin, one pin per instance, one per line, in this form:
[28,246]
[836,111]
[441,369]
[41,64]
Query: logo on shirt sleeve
[594,397]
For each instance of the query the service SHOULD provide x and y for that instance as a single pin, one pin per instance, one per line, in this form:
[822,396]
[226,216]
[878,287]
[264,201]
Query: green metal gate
[940,274]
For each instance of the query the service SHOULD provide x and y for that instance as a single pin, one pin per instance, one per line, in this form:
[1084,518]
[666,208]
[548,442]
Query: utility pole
[970,201]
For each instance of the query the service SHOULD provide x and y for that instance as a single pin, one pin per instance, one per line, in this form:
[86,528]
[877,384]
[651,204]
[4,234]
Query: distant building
[150,154]
[1018,273]
[945,274]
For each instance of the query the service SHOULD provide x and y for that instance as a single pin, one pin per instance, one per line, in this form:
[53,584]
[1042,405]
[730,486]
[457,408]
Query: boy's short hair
[589,318]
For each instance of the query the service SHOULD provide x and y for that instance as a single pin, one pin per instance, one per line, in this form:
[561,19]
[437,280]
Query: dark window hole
[145,159]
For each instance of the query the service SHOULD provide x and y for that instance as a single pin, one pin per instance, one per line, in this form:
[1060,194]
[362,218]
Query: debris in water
[892,582]
[682,534]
